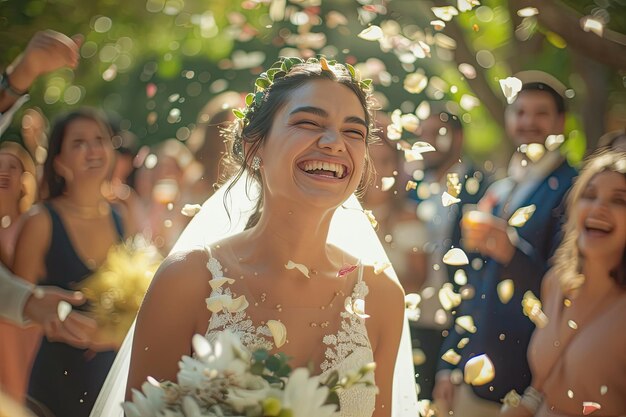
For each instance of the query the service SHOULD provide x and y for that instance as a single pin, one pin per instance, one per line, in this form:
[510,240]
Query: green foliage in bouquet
[116,290]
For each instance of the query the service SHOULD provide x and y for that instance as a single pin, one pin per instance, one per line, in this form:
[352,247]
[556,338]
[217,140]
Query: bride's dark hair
[259,116]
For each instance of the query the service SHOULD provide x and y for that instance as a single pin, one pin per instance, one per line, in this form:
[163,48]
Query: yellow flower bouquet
[116,290]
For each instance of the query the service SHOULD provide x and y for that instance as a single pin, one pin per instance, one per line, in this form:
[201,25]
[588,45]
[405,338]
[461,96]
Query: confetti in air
[522,215]
[505,290]
[451,357]
[190,210]
[510,87]
[372,33]
[455,257]
[479,370]
[303,269]
[532,308]
[590,407]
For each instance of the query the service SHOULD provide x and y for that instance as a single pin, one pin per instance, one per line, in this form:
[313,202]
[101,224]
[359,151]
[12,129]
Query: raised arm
[172,312]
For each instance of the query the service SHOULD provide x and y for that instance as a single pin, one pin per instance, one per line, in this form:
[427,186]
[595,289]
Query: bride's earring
[256,163]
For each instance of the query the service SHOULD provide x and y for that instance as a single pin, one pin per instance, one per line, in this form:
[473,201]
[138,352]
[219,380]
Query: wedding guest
[519,253]
[24,304]
[447,169]
[578,358]
[17,193]
[208,144]
[57,247]
[308,154]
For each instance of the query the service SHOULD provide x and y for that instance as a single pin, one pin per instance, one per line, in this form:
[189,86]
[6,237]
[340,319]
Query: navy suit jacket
[503,331]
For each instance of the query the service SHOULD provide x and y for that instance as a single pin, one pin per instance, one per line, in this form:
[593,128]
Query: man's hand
[443,394]
[47,51]
[488,235]
[76,330]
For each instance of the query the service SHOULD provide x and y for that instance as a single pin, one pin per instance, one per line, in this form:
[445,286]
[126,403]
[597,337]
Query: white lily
[304,396]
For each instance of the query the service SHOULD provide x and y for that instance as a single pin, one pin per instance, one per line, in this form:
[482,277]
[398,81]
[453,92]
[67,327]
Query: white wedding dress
[351,231]
[347,350]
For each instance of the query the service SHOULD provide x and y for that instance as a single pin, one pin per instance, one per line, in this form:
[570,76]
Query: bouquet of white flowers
[225,379]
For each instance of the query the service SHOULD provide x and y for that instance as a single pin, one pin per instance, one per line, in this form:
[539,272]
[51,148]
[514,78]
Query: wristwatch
[6,86]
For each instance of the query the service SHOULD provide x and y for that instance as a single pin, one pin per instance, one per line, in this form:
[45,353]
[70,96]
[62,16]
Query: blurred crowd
[80,184]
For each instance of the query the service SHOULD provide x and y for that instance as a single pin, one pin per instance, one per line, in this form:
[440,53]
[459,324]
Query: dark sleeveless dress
[65,381]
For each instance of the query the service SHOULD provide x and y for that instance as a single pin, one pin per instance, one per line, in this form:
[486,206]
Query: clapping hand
[43,308]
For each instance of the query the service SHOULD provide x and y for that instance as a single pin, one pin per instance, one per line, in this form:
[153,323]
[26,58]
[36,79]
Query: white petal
[448,200]
[466,323]
[379,267]
[412,300]
[358,306]
[387,183]
[445,13]
[448,298]
[505,290]
[510,87]
[479,370]
[190,210]
[372,33]
[218,282]
[299,267]
[455,257]
[63,310]
[348,305]
[528,12]
[451,357]
[279,332]
[216,303]
[238,304]
[201,346]
[522,215]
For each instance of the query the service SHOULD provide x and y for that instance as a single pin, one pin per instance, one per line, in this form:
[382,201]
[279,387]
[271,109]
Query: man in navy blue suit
[520,254]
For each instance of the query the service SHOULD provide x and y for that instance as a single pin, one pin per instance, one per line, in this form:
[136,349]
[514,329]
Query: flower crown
[281,68]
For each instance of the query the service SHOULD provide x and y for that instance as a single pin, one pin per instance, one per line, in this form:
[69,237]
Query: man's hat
[541,78]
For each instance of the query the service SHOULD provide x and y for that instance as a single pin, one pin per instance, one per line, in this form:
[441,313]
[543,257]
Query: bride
[302,144]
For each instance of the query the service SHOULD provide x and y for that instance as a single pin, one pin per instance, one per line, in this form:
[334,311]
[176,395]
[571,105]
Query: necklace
[86,212]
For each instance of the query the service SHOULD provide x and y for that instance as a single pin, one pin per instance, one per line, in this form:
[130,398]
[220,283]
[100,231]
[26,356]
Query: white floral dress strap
[230,313]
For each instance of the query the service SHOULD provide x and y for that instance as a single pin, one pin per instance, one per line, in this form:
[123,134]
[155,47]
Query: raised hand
[47,51]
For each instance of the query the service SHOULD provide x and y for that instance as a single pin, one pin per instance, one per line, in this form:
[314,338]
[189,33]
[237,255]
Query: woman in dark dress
[64,241]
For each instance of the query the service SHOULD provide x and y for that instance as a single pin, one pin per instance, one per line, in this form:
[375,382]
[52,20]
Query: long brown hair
[568,259]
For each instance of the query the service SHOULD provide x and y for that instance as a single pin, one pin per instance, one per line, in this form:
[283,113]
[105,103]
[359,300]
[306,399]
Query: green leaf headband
[281,68]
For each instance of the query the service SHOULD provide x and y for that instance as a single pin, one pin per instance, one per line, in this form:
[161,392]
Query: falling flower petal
[462,343]
[345,270]
[522,215]
[453,184]
[532,308]
[358,306]
[512,399]
[510,87]
[379,267]
[460,277]
[387,183]
[423,147]
[445,13]
[479,370]
[411,185]
[467,5]
[394,132]
[572,324]
[590,407]
[590,24]
[372,33]
[554,141]
[190,210]
[279,332]
[218,282]
[415,82]
[448,298]
[451,357]
[409,122]
[505,290]
[63,310]
[448,200]
[423,110]
[438,24]
[151,90]
[455,257]
[534,151]
[201,346]
[412,300]
[466,323]
[528,12]
[299,267]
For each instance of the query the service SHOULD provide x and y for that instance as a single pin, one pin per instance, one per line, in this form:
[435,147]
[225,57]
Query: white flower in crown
[304,396]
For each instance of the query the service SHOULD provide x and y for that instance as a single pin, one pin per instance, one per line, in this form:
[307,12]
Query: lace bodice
[347,350]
